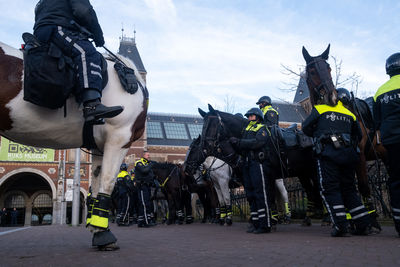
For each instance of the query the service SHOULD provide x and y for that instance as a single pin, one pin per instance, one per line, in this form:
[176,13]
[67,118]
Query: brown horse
[322,91]
[28,124]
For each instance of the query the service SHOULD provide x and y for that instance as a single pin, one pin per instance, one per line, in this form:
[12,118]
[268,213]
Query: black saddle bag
[127,77]
[49,76]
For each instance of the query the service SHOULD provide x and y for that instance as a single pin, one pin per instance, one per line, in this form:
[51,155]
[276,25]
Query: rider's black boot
[94,112]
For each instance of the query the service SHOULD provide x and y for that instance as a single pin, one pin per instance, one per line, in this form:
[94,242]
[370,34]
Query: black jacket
[143,172]
[254,141]
[61,12]
[326,121]
[387,111]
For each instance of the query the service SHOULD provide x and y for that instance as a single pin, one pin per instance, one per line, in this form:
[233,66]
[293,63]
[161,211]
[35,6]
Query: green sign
[10,151]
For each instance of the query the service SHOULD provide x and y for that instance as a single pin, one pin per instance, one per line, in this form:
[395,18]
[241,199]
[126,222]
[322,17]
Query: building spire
[122,30]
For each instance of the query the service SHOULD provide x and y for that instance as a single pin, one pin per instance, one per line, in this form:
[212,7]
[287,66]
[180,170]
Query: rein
[169,176]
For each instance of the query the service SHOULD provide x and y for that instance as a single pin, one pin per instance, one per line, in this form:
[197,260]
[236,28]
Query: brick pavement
[198,245]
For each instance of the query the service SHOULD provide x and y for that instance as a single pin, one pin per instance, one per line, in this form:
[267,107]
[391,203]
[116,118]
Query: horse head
[319,79]
[195,156]
[218,127]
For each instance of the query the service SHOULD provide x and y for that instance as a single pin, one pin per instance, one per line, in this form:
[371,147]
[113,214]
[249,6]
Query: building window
[43,201]
[15,201]
[195,130]
[154,130]
[175,131]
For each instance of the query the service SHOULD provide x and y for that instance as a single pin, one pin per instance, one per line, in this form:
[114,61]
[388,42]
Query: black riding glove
[234,140]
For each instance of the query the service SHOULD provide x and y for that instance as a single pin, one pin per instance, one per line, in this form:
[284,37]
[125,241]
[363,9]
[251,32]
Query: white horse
[220,173]
[32,125]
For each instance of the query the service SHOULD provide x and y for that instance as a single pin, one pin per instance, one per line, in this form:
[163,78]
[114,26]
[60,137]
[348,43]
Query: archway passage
[27,198]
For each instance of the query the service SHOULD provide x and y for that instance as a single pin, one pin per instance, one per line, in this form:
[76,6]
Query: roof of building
[302,91]
[128,48]
[168,129]
[292,113]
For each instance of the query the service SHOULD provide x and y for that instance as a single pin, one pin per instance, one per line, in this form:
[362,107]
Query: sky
[230,52]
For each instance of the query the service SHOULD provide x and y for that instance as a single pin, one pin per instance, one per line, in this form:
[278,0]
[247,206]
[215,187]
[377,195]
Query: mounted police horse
[220,126]
[32,125]
[322,91]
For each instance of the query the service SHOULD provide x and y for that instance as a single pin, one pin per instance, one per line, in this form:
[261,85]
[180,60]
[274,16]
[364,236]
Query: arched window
[15,201]
[43,201]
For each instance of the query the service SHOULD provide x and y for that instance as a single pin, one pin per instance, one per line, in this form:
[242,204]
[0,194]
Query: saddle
[291,137]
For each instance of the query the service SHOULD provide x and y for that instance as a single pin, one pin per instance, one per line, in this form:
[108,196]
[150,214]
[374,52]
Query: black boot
[339,232]
[94,112]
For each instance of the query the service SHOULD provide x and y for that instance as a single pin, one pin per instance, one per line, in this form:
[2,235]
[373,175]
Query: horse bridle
[217,149]
[317,64]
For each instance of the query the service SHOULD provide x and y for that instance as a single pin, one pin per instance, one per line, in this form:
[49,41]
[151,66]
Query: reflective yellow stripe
[371,211]
[392,84]
[166,180]
[268,108]
[123,174]
[223,215]
[143,161]
[254,126]
[101,222]
[348,216]
[339,108]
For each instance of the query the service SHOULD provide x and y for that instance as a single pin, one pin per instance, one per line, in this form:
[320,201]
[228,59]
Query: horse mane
[163,165]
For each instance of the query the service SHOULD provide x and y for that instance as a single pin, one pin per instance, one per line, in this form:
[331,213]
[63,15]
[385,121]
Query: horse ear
[306,55]
[202,112]
[325,55]
[210,108]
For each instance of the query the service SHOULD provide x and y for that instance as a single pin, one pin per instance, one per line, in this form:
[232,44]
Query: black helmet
[255,111]
[344,95]
[123,167]
[393,64]
[265,99]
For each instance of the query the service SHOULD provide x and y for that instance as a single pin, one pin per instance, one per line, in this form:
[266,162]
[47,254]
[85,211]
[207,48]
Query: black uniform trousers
[393,151]
[145,208]
[338,191]
[256,187]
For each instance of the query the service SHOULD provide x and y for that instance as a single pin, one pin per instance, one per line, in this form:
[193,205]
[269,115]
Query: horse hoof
[109,247]
[306,221]
[229,222]
[103,239]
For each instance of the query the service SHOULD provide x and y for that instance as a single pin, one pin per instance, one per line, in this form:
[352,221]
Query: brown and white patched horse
[32,125]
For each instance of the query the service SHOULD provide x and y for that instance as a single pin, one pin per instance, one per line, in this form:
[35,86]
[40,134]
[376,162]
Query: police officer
[144,179]
[133,197]
[123,197]
[53,24]
[336,133]
[387,119]
[271,116]
[252,146]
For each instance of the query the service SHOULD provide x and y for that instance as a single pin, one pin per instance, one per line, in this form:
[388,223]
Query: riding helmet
[393,64]
[344,95]
[255,111]
[265,99]
[123,167]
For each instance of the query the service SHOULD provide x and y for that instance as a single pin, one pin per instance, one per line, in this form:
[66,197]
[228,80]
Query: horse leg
[314,203]
[94,187]
[226,195]
[222,208]
[284,196]
[363,187]
[113,156]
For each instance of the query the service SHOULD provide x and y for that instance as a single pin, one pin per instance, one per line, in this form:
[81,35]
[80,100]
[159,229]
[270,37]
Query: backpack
[49,76]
